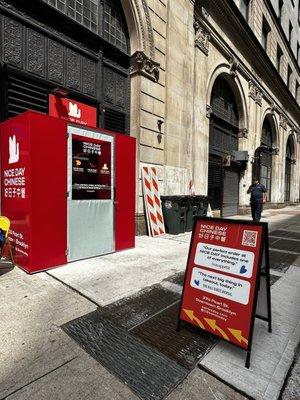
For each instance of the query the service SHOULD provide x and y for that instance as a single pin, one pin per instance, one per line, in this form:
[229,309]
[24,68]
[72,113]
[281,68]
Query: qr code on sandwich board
[249,238]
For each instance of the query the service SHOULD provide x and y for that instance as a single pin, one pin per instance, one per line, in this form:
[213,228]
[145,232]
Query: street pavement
[39,360]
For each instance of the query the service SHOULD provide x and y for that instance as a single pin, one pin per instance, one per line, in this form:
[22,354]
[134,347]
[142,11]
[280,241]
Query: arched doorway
[223,174]
[289,156]
[263,157]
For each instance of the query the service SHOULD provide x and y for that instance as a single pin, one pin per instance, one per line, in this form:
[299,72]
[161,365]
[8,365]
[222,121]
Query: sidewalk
[109,278]
[136,291]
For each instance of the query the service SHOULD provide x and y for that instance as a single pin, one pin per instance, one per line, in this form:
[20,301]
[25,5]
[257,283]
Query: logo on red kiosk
[14,178]
[13,148]
[72,111]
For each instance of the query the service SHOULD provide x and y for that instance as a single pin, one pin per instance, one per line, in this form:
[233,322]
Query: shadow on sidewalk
[5,266]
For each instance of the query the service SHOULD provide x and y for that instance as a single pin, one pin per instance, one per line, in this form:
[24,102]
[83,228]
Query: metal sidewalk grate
[147,372]
[281,261]
[287,245]
[285,234]
[186,347]
[151,359]
[132,311]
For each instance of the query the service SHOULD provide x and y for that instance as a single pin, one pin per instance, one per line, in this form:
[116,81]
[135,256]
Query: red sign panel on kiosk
[72,111]
[221,278]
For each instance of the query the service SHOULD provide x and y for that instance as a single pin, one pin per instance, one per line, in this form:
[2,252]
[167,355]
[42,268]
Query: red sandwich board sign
[227,265]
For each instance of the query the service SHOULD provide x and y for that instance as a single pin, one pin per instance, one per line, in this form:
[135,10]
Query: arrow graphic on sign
[192,317]
[238,335]
[213,324]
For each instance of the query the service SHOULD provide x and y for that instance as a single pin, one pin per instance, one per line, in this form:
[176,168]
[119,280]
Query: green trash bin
[202,202]
[174,210]
[197,208]
[203,206]
[191,213]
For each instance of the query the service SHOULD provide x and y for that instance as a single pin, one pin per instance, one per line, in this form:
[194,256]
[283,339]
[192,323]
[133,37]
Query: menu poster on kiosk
[222,279]
[91,169]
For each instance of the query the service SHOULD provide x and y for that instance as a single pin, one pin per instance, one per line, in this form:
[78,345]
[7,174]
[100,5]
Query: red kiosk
[68,189]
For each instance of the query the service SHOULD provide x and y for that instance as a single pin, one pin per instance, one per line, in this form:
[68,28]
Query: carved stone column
[296,167]
[278,164]
[202,111]
[255,113]
[243,144]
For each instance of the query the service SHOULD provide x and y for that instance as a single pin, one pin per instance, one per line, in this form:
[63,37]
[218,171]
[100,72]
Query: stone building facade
[223,88]
[209,88]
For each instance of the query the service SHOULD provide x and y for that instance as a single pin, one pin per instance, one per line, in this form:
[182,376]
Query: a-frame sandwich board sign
[227,279]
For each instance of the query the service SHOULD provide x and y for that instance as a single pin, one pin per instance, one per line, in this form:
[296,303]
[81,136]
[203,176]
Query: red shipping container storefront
[68,189]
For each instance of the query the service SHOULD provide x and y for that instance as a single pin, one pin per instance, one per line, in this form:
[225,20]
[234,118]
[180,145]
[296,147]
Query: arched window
[85,12]
[266,135]
[105,18]
[265,157]
[223,176]
[225,119]
[288,168]
[114,28]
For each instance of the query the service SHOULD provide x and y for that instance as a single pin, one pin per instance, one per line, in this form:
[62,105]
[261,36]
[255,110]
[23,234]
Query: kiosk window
[91,169]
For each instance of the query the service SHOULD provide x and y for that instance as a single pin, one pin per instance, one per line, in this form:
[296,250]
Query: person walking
[257,193]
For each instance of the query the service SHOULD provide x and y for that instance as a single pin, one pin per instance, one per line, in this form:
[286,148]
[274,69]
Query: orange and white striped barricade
[153,208]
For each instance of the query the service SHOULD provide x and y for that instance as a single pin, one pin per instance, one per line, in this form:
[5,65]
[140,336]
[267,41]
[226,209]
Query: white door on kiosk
[90,193]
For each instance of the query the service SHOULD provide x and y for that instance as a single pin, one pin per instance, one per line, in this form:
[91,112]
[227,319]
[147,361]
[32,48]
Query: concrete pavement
[39,361]
[107,279]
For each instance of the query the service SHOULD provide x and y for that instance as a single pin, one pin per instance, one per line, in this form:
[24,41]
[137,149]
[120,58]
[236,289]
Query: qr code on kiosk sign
[249,238]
